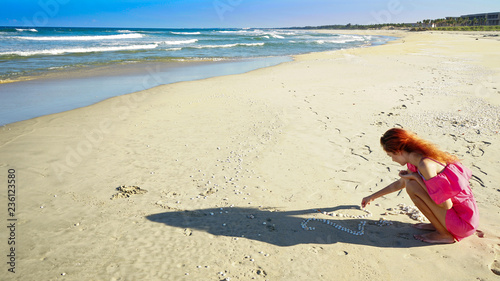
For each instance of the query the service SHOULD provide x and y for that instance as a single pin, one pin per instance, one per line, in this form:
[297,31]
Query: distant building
[484,19]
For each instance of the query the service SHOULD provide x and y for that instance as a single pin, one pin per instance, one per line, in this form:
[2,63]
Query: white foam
[338,41]
[288,33]
[80,50]
[185,33]
[173,49]
[257,32]
[230,45]
[274,35]
[27,29]
[83,38]
[180,42]
[341,39]
[231,31]
[236,31]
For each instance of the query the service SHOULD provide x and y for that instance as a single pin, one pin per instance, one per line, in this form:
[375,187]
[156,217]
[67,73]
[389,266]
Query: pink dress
[453,183]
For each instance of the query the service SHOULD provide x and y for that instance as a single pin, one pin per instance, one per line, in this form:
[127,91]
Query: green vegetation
[446,24]
[407,26]
[359,26]
[460,28]
[452,21]
[469,28]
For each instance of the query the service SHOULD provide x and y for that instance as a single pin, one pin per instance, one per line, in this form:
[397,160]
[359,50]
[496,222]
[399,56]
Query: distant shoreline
[77,87]
[26,52]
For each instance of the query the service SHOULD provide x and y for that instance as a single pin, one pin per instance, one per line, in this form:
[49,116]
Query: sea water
[184,54]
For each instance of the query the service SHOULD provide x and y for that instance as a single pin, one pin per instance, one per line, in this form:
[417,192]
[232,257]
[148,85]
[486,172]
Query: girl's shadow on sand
[284,228]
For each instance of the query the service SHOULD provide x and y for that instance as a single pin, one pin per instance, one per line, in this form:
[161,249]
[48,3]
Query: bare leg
[435,214]
[424,226]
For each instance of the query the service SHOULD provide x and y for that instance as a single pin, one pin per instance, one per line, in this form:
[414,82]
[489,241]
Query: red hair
[396,140]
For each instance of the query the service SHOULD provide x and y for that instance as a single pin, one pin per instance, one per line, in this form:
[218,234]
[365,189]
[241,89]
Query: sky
[230,13]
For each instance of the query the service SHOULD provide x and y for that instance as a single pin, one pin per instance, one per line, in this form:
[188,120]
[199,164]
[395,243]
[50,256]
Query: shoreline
[75,81]
[86,67]
[227,169]
[115,68]
[48,94]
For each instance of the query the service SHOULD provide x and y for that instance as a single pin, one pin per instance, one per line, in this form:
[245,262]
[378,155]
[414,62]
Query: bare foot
[435,238]
[424,226]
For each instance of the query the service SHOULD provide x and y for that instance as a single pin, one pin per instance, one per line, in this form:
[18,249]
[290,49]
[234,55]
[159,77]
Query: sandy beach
[218,175]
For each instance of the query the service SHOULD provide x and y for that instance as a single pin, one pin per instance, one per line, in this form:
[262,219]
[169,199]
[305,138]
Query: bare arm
[395,186]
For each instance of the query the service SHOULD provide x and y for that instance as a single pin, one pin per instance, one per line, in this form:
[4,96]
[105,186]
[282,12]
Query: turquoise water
[28,51]
[173,55]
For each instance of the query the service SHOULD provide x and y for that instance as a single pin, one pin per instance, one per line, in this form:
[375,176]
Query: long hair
[396,140]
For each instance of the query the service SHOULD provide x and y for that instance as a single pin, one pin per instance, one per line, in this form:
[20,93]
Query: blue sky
[230,13]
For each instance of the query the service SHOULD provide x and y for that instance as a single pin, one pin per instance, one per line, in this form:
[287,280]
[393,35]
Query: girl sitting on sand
[436,182]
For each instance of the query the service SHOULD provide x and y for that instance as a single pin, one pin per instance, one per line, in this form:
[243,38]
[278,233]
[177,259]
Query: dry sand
[218,174]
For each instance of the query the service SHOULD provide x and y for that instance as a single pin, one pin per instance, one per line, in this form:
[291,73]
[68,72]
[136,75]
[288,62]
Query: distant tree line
[450,23]
[359,26]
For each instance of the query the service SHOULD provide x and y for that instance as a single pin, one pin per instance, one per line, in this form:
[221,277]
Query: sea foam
[80,50]
[26,29]
[180,42]
[230,45]
[186,33]
[83,38]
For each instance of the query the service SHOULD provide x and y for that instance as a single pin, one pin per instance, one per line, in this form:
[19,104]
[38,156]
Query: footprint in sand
[260,272]
[475,150]
[127,191]
[478,180]
[495,267]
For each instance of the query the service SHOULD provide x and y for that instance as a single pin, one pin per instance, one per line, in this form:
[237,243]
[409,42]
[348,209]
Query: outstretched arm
[395,186]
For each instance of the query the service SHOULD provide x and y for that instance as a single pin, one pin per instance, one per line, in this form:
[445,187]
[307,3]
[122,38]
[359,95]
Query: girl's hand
[403,173]
[406,175]
[366,201]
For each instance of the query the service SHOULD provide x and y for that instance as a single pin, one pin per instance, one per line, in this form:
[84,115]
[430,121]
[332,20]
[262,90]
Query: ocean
[185,54]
